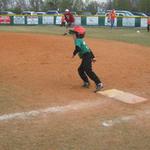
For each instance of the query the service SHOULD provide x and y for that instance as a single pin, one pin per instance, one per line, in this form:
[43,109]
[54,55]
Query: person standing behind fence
[148,24]
[112,17]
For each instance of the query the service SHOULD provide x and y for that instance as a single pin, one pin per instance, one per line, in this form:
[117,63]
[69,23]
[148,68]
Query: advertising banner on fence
[128,22]
[143,22]
[5,20]
[32,19]
[19,20]
[48,20]
[77,20]
[58,19]
[108,23]
[92,20]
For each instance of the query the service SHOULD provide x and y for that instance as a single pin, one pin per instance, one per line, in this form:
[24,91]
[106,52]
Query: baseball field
[42,103]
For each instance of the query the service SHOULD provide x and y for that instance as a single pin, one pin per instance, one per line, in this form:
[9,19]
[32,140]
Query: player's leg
[87,64]
[92,75]
[69,26]
[95,78]
[112,23]
[83,76]
[148,26]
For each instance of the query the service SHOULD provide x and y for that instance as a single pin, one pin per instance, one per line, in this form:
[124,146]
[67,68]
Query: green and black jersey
[81,48]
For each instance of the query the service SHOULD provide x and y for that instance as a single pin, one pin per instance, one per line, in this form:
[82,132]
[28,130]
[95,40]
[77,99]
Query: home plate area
[122,96]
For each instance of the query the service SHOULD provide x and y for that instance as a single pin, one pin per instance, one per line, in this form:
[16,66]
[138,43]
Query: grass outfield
[129,35]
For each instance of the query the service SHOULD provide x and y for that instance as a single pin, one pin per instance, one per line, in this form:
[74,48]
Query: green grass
[128,35]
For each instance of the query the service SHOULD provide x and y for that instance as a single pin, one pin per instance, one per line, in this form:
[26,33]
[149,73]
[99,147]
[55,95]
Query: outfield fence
[79,20]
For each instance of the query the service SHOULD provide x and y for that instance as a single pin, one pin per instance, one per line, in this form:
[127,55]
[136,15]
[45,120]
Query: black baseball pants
[85,69]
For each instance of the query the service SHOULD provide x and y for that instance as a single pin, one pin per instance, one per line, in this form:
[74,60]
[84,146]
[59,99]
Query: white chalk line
[126,119]
[57,109]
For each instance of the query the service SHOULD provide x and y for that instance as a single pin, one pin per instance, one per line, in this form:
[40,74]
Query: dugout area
[37,72]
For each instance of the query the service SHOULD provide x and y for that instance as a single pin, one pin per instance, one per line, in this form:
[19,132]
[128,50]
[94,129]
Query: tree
[144,5]
[36,5]
[77,5]
[122,4]
[4,4]
[92,7]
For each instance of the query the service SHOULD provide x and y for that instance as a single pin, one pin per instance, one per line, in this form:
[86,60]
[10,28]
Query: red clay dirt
[37,71]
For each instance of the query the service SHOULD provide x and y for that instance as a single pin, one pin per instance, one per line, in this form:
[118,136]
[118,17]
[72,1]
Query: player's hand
[94,60]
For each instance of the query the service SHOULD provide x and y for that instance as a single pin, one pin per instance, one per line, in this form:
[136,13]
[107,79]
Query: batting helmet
[78,30]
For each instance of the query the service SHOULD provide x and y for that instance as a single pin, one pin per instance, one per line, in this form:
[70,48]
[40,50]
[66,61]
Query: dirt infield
[37,71]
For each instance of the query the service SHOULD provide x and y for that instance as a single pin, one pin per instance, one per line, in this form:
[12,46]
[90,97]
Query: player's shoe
[98,87]
[86,85]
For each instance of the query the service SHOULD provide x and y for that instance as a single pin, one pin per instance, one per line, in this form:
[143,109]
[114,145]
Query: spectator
[112,17]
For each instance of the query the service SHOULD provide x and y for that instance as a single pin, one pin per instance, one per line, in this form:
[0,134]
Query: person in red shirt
[148,24]
[69,18]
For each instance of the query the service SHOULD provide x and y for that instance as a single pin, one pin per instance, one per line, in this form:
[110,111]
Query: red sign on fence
[5,20]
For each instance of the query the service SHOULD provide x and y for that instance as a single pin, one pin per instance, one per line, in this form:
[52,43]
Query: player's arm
[92,56]
[77,50]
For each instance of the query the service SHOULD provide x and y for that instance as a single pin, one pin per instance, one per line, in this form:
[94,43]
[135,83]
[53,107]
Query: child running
[85,53]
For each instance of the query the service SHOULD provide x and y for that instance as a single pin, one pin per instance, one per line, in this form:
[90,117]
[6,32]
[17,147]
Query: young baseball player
[69,18]
[87,57]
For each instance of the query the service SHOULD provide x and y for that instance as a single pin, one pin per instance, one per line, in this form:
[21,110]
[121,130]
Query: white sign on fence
[143,22]
[48,20]
[128,22]
[92,20]
[77,20]
[32,19]
[108,22]
[19,20]
[58,19]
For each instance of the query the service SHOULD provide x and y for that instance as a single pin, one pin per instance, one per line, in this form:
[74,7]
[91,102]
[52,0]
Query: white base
[122,96]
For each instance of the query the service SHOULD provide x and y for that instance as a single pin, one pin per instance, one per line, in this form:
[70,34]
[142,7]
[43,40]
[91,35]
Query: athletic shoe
[86,85]
[98,87]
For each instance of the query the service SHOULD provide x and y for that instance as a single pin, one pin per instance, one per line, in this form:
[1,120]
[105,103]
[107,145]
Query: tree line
[40,5]
[133,5]
[18,6]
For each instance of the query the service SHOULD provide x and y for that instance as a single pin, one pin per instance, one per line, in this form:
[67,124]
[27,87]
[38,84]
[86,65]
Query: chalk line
[126,119]
[57,109]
